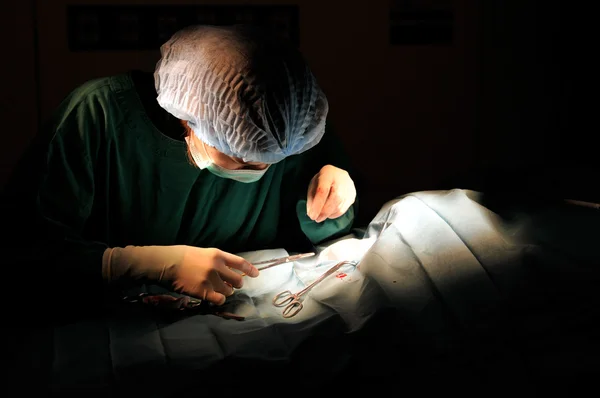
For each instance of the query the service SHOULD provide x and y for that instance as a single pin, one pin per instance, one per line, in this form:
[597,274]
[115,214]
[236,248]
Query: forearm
[329,228]
[136,263]
[60,264]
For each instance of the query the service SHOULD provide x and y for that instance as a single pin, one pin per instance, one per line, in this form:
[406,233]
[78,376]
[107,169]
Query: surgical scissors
[282,260]
[293,301]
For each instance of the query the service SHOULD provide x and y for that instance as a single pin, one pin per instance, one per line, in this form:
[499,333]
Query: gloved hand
[331,192]
[207,274]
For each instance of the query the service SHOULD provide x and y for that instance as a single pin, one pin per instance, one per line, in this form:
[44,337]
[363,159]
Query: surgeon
[161,179]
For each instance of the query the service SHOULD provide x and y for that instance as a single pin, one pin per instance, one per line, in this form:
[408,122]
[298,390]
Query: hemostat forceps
[276,261]
[293,301]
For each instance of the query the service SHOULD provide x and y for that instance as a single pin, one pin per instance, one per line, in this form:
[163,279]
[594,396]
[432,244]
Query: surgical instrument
[282,260]
[168,303]
[293,301]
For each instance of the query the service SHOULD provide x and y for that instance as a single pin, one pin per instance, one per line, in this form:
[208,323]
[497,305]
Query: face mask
[204,161]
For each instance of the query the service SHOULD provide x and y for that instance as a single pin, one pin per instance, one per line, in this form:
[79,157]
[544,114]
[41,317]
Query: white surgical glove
[331,192]
[207,274]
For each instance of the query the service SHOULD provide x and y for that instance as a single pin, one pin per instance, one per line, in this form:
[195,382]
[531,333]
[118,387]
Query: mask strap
[206,152]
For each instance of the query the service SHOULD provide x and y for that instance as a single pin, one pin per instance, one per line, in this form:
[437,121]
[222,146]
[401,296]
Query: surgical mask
[204,161]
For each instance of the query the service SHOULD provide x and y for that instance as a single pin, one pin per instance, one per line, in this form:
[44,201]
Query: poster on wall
[146,27]
[421,22]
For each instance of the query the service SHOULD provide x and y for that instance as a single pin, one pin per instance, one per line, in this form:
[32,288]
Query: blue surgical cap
[241,91]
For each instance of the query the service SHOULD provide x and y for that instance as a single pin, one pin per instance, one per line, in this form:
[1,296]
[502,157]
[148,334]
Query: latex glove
[331,192]
[207,274]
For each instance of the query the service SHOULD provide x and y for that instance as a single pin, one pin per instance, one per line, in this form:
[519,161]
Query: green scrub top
[107,177]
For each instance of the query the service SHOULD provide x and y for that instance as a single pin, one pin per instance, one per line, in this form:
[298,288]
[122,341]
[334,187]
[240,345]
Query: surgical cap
[241,91]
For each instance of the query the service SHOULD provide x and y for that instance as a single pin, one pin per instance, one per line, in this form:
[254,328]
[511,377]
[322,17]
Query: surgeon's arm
[48,201]
[301,170]
[51,259]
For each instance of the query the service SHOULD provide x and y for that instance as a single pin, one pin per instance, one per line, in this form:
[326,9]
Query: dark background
[425,94]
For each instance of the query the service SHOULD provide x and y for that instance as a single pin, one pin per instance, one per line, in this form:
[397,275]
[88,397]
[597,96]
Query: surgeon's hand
[331,192]
[209,274]
[205,273]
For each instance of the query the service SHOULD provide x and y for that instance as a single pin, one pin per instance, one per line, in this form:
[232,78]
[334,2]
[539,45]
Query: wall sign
[146,27]
[421,22]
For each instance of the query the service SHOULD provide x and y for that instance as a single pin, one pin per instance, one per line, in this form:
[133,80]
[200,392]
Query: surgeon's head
[247,100]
